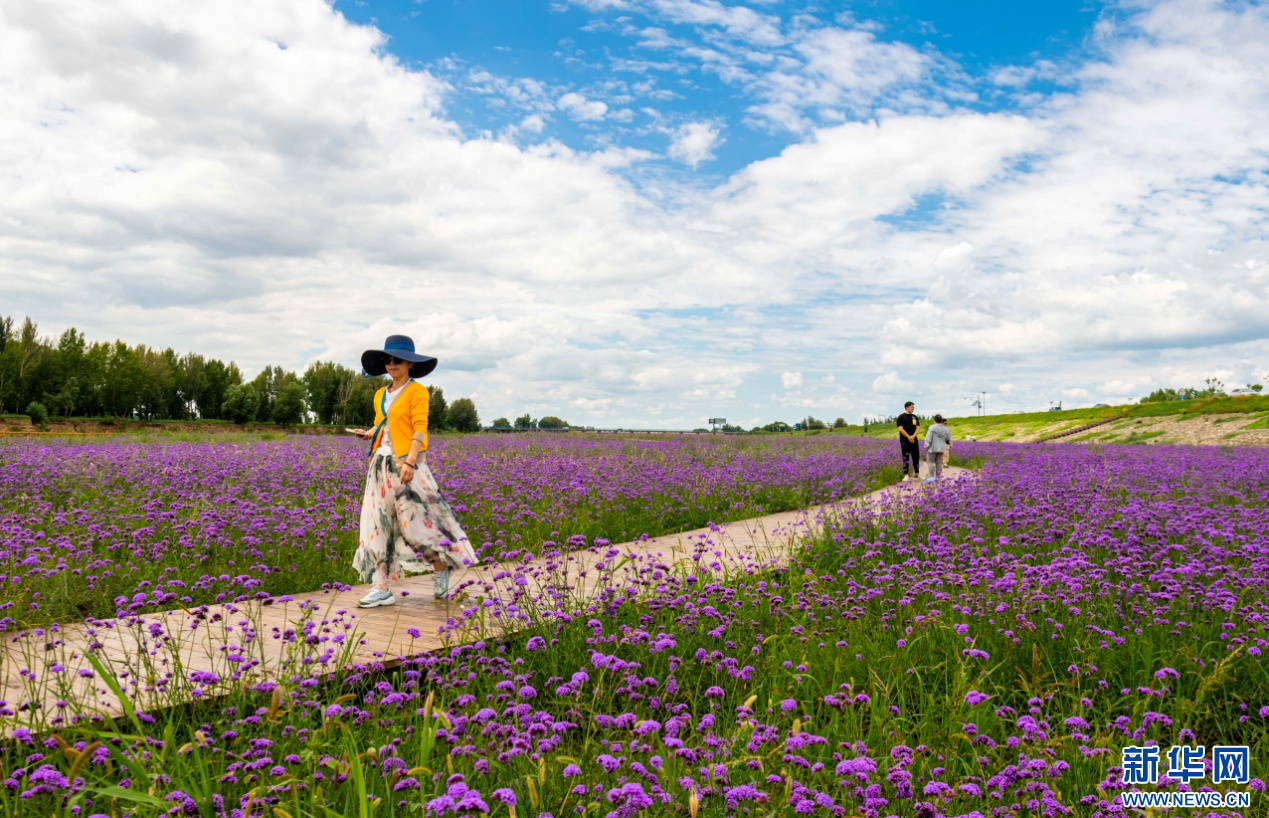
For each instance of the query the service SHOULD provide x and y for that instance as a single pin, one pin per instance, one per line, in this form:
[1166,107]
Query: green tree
[328,385]
[63,403]
[218,378]
[8,364]
[124,380]
[288,407]
[242,401]
[269,383]
[359,406]
[552,422]
[462,415]
[437,410]
[33,360]
[525,422]
[501,422]
[840,423]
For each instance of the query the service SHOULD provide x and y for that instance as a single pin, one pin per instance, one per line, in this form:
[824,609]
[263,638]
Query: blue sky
[651,212]
[575,48]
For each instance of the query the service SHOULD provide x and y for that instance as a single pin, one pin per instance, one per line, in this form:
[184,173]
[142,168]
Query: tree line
[1212,388]
[69,376]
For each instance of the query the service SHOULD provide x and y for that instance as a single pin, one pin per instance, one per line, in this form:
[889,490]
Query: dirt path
[155,656]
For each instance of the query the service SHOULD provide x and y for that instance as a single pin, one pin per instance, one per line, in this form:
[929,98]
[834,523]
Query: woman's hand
[407,472]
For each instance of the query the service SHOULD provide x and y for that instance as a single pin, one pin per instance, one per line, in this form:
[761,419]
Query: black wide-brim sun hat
[401,347]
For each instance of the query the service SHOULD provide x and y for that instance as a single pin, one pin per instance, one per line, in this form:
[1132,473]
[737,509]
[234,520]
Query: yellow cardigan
[406,416]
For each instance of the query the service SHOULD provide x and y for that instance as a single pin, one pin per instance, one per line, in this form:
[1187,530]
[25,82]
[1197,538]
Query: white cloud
[739,21]
[694,142]
[791,380]
[581,108]
[956,257]
[890,384]
[171,174]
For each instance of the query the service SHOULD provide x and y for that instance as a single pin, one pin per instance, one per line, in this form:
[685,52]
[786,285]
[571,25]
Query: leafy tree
[777,426]
[552,422]
[288,407]
[63,403]
[462,415]
[526,422]
[1255,387]
[359,403]
[436,410]
[329,386]
[840,423]
[124,379]
[8,362]
[269,385]
[220,376]
[501,422]
[242,401]
[813,423]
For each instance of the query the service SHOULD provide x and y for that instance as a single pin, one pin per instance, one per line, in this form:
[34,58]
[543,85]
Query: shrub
[37,412]
[552,422]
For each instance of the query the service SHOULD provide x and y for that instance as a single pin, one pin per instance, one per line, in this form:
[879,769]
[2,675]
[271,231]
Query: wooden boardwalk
[170,657]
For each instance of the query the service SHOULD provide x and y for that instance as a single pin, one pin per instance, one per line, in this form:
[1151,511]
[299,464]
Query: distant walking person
[909,448]
[404,519]
[938,447]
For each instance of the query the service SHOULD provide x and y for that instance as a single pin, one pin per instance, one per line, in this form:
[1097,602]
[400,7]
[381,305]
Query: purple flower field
[983,649]
[124,527]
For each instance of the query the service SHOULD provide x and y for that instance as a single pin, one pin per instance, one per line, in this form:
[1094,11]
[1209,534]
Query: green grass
[1035,424]
[1140,437]
[1260,423]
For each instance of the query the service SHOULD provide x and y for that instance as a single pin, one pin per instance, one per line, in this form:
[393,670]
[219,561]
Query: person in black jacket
[909,427]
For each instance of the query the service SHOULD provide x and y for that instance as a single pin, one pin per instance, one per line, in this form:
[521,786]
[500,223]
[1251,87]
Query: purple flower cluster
[118,528]
[914,660]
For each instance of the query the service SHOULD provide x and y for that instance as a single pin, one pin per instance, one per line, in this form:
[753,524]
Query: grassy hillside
[1207,420]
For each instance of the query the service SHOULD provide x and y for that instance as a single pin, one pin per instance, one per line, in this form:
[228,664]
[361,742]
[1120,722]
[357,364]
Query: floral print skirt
[406,522]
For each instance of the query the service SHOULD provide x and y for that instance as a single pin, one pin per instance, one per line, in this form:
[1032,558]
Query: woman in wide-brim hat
[404,520]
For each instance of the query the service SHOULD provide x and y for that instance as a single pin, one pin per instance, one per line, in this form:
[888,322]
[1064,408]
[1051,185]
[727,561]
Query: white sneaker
[376,598]
[440,583]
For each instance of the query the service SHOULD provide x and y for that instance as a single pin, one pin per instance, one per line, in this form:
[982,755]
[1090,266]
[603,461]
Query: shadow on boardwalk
[63,674]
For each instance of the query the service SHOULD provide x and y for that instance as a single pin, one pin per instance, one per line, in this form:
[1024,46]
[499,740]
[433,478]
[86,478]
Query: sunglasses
[388,359]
